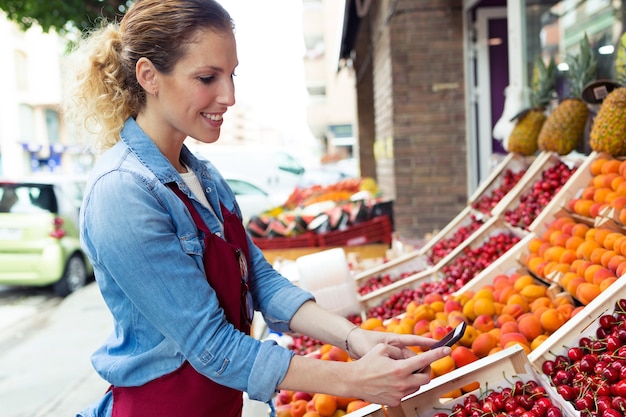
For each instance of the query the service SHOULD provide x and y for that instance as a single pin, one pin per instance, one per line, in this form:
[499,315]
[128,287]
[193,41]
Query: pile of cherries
[445,246]
[532,202]
[592,375]
[523,399]
[487,202]
[380,281]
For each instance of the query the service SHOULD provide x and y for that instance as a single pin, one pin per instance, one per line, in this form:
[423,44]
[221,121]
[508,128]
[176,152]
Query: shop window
[555,29]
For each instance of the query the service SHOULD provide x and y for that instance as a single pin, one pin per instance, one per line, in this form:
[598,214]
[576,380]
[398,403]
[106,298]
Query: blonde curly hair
[103,91]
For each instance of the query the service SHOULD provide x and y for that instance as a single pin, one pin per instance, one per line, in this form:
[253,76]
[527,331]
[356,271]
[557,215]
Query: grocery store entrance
[488,77]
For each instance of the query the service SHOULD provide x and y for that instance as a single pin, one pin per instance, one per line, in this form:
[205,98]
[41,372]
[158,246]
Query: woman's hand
[385,375]
[359,342]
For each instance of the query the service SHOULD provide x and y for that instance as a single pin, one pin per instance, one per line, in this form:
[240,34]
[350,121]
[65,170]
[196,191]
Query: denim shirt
[147,257]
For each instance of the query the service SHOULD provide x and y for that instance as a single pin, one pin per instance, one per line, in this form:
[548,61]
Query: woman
[171,256]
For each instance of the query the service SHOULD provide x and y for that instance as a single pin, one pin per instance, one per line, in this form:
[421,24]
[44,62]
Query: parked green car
[39,242]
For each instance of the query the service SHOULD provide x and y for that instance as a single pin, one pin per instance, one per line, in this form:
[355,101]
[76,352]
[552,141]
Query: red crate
[376,230]
[306,240]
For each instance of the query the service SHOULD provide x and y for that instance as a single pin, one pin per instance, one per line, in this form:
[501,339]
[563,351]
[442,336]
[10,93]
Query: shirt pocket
[191,244]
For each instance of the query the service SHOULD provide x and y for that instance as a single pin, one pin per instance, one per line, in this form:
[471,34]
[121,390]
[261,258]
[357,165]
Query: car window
[27,198]
[244,188]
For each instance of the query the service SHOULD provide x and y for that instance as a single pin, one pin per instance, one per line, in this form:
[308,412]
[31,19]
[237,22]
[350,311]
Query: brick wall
[419,111]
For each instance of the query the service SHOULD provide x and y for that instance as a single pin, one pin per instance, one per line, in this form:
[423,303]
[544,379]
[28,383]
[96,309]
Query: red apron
[185,392]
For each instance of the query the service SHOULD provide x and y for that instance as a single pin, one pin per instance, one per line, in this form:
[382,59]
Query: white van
[277,171]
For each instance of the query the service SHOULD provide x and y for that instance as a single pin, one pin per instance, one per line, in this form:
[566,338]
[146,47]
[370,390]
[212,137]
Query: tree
[62,15]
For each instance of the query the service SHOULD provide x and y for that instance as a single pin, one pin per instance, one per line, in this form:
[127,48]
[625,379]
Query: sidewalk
[50,375]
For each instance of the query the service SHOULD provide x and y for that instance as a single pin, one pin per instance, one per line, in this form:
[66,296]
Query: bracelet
[348,335]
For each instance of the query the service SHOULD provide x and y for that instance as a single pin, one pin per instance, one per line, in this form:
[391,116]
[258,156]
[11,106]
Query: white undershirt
[196,188]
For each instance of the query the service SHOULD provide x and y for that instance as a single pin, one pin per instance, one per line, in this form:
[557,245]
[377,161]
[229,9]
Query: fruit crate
[492,227]
[525,189]
[495,371]
[559,205]
[468,219]
[512,162]
[306,240]
[582,324]
[420,260]
[375,230]
[377,297]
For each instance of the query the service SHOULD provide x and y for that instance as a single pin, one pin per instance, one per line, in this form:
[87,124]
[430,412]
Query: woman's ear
[146,76]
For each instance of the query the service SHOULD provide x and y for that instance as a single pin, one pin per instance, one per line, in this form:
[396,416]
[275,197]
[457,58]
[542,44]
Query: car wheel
[74,277]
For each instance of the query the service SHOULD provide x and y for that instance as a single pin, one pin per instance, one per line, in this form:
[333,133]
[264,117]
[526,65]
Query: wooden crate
[512,161]
[558,207]
[490,372]
[463,219]
[534,174]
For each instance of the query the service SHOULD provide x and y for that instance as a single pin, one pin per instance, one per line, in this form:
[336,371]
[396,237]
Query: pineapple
[608,132]
[565,127]
[523,138]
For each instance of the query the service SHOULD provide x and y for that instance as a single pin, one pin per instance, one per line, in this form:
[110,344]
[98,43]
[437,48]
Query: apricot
[601,274]
[583,207]
[421,326]
[534,291]
[587,291]
[552,319]
[472,386]
[538,341]
[342,402]
[614,262]
[520,300]
[606,283]
[580,230]
[573,242]
[338,354]
[504,318]
[513,337]
[535,244]
[596,255]
[611,166]
[500,282]
[355,405]
[325,404]
[469,336]
[442,366]
[523,281]
[483,344]
[372,323]
[513,310]
[484,306]
[595,167]
[484,323]
[509,327]
[530,326]
[298,408]
[313,414]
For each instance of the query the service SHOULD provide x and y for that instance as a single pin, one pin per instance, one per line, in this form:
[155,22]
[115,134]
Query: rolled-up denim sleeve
[268,370]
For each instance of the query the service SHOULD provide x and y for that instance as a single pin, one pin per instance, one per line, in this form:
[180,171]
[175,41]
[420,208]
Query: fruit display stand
[570,191]
[536,190]
[510,169]
[494,372]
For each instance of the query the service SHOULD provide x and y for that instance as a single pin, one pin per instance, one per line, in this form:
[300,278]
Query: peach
[284,396]
[440,331]
[462,356]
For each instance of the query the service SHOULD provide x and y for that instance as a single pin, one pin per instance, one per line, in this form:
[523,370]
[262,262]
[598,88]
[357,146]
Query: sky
[270,48]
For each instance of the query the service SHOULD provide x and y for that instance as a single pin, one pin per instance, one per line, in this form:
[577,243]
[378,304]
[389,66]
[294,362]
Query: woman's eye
[206,80]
